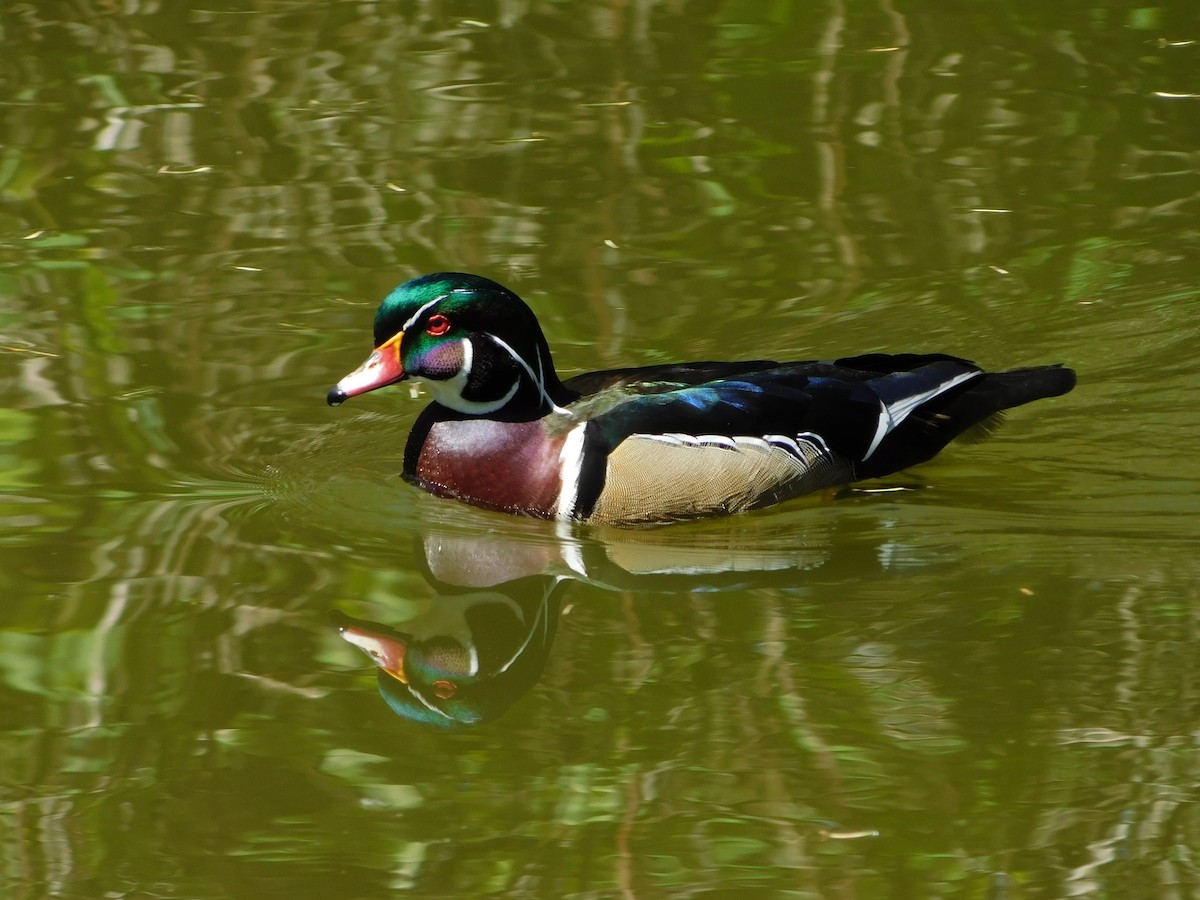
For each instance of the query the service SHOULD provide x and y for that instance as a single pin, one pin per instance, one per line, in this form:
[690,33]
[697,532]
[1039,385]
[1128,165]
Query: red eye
[437,325]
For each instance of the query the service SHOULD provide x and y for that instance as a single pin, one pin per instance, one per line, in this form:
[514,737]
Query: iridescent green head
[472,342]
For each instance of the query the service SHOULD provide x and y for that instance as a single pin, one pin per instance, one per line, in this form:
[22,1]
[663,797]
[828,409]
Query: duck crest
[659,443]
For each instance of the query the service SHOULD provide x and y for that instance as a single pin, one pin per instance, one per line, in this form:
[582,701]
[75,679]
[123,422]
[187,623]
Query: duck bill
[382,367]
[385,651]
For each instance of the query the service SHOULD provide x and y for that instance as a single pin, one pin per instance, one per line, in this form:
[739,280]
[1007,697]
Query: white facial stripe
[541,376]
[429,706]
[536,379]
[419,312]
[570,461]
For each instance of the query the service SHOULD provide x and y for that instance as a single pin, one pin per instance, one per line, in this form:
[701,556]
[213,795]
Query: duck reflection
[468,657]
[483,640]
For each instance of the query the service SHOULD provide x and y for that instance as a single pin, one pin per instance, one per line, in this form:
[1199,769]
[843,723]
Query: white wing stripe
[890,416]
[814,442]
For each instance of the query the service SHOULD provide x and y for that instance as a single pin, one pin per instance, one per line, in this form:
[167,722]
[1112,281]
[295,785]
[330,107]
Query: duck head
[471,342]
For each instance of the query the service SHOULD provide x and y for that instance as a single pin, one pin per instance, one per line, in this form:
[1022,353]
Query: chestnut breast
[511,466]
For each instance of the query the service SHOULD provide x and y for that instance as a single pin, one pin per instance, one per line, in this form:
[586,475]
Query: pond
[971,678]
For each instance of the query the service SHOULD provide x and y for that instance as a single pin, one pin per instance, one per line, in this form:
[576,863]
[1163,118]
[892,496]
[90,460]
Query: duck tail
[1018,386]
[1015,388]
[973,410]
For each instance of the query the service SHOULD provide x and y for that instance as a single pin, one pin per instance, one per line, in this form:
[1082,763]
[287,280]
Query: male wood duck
[657,443]
[468,656]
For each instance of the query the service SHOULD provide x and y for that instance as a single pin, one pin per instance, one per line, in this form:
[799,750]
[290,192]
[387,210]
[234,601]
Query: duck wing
[666,377]
[764,435]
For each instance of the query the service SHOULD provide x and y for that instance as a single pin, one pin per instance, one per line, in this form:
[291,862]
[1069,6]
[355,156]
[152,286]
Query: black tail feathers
[975,410]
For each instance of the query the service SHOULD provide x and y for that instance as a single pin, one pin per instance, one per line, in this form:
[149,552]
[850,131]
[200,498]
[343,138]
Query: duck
[467,654]
[656,444]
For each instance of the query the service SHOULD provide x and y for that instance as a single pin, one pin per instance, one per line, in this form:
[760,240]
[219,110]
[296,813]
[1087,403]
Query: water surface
[973,680]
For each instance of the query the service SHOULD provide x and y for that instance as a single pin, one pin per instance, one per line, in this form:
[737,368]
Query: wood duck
[659,443]
[468,656]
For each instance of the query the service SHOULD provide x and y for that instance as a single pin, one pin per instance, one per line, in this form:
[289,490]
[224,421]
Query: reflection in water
[466,658]
[482,641]
[1009,695]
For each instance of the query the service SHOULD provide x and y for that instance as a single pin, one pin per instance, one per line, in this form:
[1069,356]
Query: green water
[979,684]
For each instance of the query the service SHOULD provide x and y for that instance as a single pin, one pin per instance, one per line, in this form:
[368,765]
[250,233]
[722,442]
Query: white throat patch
[449,392]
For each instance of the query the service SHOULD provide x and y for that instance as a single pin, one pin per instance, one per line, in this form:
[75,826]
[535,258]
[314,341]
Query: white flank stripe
[810,437]
[787,443]
[814,443]
[717,440]
[570,460]
[743,442]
